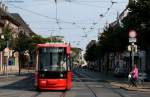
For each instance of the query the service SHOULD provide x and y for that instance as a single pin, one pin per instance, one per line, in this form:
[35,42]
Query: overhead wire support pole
[56,9]
[132,49]
[57,21]
[12,1]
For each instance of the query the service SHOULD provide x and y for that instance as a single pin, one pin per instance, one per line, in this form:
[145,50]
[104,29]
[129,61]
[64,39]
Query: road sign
[132,40]
[132,34]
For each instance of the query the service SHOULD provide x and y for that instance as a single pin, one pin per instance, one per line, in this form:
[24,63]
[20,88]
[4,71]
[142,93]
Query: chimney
[3,7]
[6,9]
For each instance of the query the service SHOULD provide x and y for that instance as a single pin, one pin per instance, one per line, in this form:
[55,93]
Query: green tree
[139,20]
[91,51]
[23,44]
[115,38]
[7,40]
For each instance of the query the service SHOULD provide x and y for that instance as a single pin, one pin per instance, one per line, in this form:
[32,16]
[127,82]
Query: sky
[79,21]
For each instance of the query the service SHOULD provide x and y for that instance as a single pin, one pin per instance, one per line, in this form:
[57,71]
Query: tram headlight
[61,75]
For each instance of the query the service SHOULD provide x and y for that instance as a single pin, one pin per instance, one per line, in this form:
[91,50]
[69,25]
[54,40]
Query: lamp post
[1,56]
[6,51]
[132,53]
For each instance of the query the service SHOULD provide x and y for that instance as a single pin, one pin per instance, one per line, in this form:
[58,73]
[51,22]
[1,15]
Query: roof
[6,15]
[22,22]
[53,45]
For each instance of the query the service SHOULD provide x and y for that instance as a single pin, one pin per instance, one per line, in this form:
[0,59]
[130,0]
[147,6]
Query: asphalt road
[82,86]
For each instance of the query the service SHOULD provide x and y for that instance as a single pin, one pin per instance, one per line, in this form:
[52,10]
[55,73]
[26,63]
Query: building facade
[9,59]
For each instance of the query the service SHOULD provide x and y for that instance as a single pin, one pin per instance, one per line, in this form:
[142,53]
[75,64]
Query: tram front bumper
[52,84]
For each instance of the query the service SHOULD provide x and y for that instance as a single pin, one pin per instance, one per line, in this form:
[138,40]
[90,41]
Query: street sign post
[132,40]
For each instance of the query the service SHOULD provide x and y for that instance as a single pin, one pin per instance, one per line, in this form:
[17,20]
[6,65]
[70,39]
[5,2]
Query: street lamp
[1,45]
[2,36]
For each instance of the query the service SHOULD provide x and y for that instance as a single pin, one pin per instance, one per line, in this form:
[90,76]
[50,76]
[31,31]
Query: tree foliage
[7,39]
[23,43]
[91,51]
[139,16]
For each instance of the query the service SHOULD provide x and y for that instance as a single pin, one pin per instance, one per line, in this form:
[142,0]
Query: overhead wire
[90,5]
[36,13]
[96,1]
[104,14]
[108,9]
[32,12]
[58,21]
[12,1]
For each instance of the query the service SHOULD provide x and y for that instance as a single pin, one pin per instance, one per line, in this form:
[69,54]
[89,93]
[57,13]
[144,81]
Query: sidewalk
[117,82]
[14,77]
[143,88]
[24,72]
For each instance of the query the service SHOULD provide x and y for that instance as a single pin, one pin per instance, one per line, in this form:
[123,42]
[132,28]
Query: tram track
[36,95]
[94,94]
[114,90]
[63,94]
[105,86]
[87,86]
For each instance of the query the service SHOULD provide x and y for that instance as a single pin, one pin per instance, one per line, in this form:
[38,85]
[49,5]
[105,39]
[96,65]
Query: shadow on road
[23,82]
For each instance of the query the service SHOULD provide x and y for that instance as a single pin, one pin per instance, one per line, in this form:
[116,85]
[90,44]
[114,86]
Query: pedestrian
[134,75]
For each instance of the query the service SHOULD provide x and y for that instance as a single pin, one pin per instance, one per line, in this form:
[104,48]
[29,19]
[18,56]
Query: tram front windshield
[52,59]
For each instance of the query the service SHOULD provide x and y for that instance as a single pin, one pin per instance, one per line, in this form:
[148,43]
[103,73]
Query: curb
[135,89]
[122,86]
